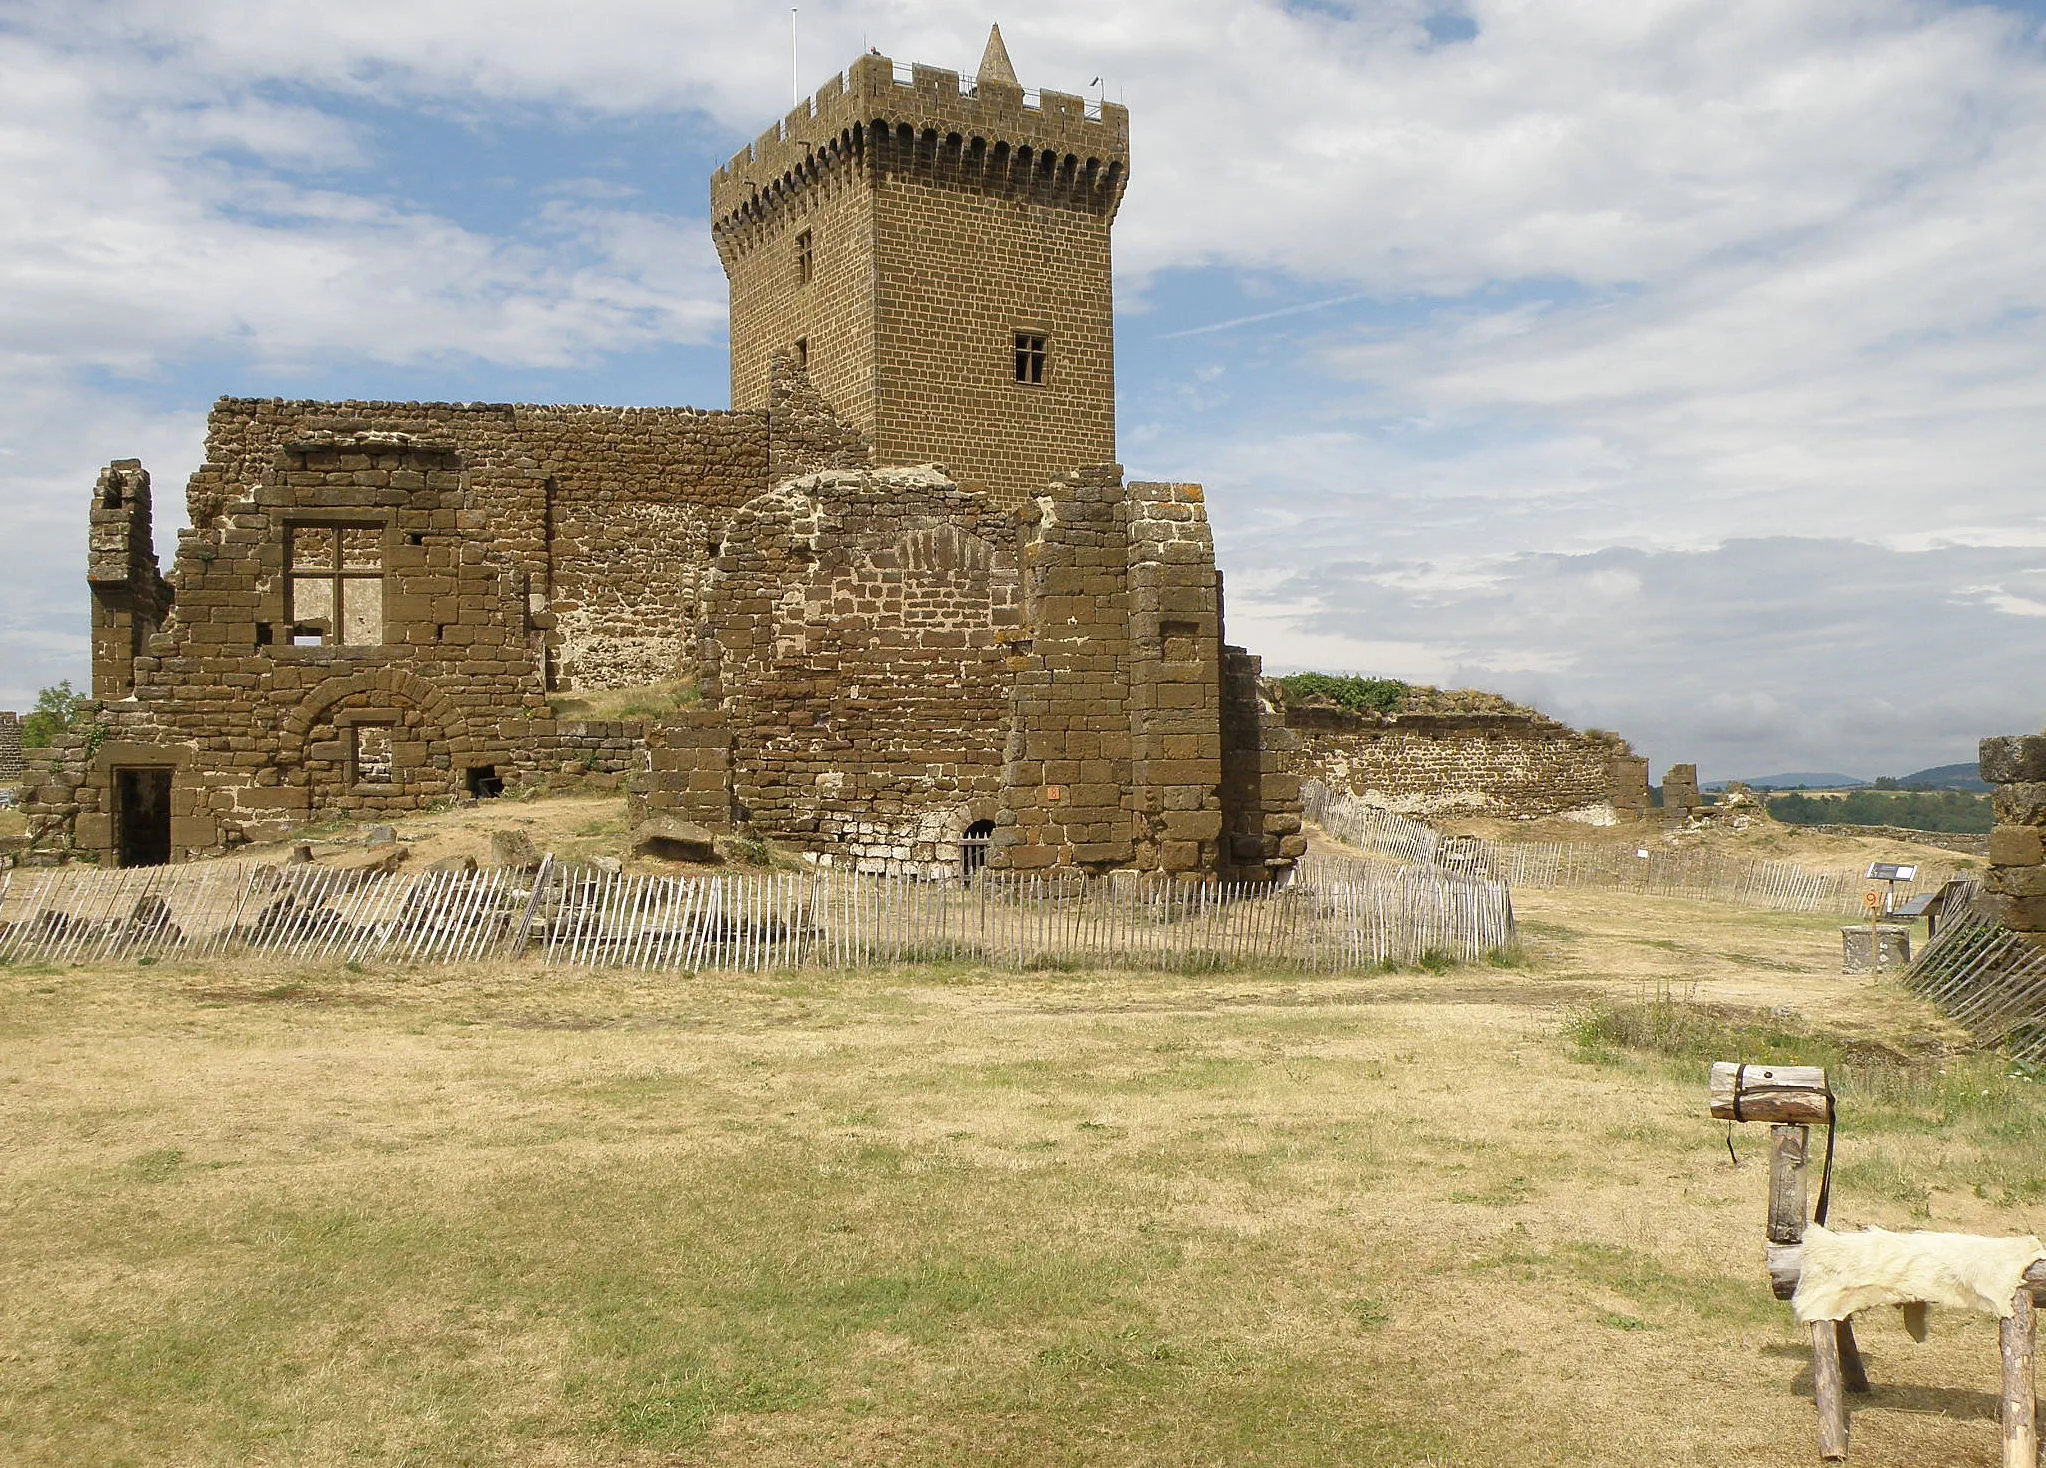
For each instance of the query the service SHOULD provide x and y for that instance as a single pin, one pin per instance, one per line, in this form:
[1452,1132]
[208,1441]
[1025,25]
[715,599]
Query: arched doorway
[973,846]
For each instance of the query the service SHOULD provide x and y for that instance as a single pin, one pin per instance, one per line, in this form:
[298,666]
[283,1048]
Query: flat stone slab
[673,840]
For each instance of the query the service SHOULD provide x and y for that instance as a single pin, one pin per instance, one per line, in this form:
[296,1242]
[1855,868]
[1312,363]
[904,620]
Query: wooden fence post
[2020,1409]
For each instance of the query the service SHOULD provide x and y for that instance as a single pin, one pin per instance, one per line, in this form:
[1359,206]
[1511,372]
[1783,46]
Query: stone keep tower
[935,253]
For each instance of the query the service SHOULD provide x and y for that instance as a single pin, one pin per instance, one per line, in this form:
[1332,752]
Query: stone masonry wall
[392,696]
[470,558]
[943,219]
[686,771]
[129,597]
[1066,777]
[10,748]
[1261,802]
[2014,892]
[858,628]
[1440,764]
[605,513]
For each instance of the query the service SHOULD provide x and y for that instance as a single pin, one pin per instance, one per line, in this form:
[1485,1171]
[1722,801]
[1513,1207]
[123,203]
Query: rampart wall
[1510,765]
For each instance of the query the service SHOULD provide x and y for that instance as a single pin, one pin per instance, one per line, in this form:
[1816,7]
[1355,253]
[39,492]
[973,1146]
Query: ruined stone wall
[1175,680]
[416,636]
[1680,797]
[129,597]
[1627,775]
[2014,892]
[1066,779]
[570,754]
[10,748]
[857,631]
[1470,764]
[686,771]
[607,513]
[1261,802]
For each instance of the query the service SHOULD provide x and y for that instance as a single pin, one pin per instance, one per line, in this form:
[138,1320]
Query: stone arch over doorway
[375,741]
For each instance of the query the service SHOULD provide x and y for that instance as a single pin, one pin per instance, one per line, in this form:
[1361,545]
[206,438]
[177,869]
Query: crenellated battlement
[987,134]
[934,248]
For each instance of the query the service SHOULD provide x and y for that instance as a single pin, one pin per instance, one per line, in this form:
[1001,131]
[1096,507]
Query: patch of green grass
[1653,1287]
[673,1405]
[159,1166]
[1502,1193]
[1989,1115]
[1615,1321]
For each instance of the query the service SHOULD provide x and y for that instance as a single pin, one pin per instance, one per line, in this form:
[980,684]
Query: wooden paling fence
[1664,872]
[1990,980]
[745,922]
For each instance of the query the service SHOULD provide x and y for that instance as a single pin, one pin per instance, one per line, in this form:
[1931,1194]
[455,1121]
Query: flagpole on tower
[795,66]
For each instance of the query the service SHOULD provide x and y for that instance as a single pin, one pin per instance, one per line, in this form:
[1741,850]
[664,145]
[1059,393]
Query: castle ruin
[927,616]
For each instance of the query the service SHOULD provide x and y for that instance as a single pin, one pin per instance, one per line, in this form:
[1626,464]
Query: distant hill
[1948,777]
[1807,779]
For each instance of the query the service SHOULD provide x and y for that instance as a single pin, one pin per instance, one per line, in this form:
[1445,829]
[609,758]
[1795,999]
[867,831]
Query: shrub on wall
[1359,695]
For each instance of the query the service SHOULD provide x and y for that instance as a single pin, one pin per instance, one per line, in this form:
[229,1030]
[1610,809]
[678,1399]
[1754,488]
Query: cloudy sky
[1677,365]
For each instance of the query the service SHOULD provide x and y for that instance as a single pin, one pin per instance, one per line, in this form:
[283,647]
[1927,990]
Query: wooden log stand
[1793,1099]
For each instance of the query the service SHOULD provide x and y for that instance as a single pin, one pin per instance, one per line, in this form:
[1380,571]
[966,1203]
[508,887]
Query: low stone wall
[686,771]
[1967,842]
[545,749]
[1444,764]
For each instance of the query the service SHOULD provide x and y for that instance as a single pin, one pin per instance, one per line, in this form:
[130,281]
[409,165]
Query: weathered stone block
[2019,804]
[2008,759]
[2016,881]
[2019,914]
[1886,950]
[673,839]
[2016,846]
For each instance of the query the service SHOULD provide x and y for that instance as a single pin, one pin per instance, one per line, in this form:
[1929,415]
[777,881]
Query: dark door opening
[973,847]
[484,782]
[142,801]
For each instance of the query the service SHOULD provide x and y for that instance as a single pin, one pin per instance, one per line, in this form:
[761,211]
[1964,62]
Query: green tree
[1925,810]
[58,710]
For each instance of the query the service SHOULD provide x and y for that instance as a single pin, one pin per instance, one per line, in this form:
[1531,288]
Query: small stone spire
[994,62]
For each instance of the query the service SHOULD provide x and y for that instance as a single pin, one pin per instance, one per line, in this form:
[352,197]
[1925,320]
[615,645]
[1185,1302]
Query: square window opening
[1030,358]
[336,585]
[372,754]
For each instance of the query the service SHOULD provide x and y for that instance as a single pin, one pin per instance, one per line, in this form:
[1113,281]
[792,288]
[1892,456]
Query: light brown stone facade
[1496,764]
[2014,892]
[905,232]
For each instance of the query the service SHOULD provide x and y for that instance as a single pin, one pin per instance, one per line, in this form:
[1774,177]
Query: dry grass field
[941,1216]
